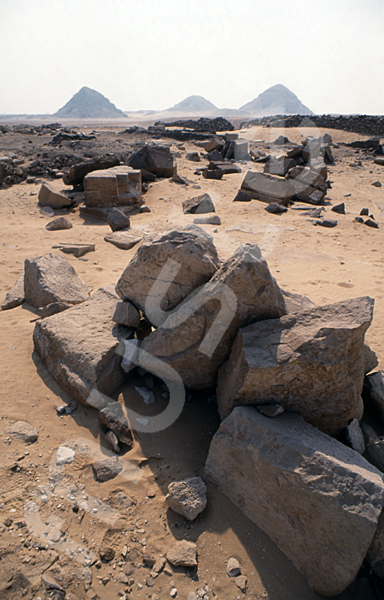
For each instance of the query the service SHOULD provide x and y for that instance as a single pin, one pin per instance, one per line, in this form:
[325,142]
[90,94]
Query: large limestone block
[317,499]
[52,278]
[78,346]
[165,270]
[197,338]
[155,159]
[311,363]
[49,196]
[268,188]
[116,186]
[76,173]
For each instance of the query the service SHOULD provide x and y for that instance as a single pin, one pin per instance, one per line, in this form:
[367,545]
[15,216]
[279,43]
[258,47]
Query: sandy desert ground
[326,265]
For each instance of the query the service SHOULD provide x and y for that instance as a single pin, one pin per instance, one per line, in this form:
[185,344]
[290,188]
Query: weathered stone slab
[196,338]
[123,239]
[78,346]
[117,220]
[310,363]
[165,270]
[76,173]
[15,296]
[115,186]
[268,188]
[49,196]
[77,250]
[317,499]
[51,278]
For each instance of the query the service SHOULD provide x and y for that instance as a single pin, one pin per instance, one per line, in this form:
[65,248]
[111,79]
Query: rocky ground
[56,521]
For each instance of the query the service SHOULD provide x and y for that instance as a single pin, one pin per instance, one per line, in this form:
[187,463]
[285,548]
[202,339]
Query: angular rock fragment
[242,196]
[183,554]
[187,497]
[58,224]
[107,469]
[296,303]
[275,208]
[155,159]
[48,196]
[106,553]
[199,204]
[339,208]
[15,296]
[118,220]
[196,338]
[113,441]
[126,314]
[370,359]
[53,309]
[114,418]
[123,239]
[309,186]
[193,156]
[116,186]
[241,582]
[279,167]
[317,499]
[268,188]
[311,363]
[77,172]
[78,346]
[165,270]
[51,278]
[213,220]
[355,436]
[23,431]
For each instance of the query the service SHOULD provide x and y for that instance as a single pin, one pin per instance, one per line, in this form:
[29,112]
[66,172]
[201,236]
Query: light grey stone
[48,196]
[187,497]
[23,431]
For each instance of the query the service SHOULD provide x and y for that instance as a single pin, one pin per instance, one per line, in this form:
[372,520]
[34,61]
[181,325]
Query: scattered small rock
[106,554]
[23,431]
[213,220]
[107,469]
[371,223]
[364,212]
[77,250]
[183,554]
[193,156]
[275,208]
[377,184]
[241,582]
[64,455]
[112,439]
[233,567]
[339,208]
[187,497]
[199,204]
[359,219]
[118,220]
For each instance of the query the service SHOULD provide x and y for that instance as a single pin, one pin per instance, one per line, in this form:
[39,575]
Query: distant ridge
[193,103]
[89,104]
[276,100]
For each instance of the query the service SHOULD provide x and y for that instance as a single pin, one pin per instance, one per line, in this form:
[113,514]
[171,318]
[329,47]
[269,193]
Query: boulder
[199,204]
[58,224]
[187,497]
[155,159]
[118,220]
[123,239]
[317,499]
[78,346]
[76,173]
[126,314]
[214,144]
[268,188]
[15,296]
[183,554]
[309,362]
[196,338]
[165,270]
[116,186]
[51,278]
[49,196]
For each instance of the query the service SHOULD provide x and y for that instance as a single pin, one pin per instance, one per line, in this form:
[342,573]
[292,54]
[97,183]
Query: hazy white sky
[150,54]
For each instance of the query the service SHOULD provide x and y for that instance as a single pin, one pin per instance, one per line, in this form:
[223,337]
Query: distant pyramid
[193,103]
[276,100]
[89,104]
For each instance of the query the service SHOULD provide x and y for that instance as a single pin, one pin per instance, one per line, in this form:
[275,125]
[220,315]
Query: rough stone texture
[114,418]
[355,436]
[199,204]
[194,261]
[107,469]
[59,223]
[233,567]
[376,392]
[15,296]
[116,186]
[267,188]
[187,497]
[317,499]
[155,159]
[51,278]
[370,359]
[213,220]
[197,338]
[123,239]
[126,314]
[78,346]
[279,167]
[375,555]
[76,173]
[183,554]
[48,196]
[23,431]
[296,303]
[310,363]
[53,309]
[118,220]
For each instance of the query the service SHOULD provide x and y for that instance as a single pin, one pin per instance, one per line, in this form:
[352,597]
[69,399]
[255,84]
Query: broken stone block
[317,499]
[123,239]
[23,431]
[187,497]
[126,314]
[213,220]
[214,144]
[183,554]
[165,270]
[48,196]
[78,346]
[310,363]
[51,278]
[268,188]
[77,172]
[197,337]
[15,296]
[107,469]
[113,416]
[155,159]
[226,168]
[58,224]
[279,167]
[118,220]
[241,150]
[199,204]
[307,182]
[212,174]
[116,186]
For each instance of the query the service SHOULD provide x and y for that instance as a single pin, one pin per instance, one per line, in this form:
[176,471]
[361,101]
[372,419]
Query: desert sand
[326,265]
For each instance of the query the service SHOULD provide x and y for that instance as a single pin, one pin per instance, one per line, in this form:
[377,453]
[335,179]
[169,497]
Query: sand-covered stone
[15,296]
[197,338]
[49,196]
[78,346]
[317,499]
[187,497]
[165,270]
[51,278]
[310,363]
